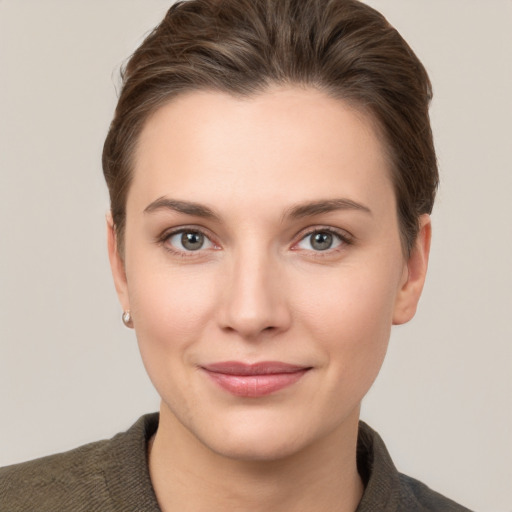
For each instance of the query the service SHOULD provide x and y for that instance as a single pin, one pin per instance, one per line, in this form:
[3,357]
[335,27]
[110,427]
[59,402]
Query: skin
[259,290]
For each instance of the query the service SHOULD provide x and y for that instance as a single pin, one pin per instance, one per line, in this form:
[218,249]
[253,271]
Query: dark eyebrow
[186,207]
[324,206]
[299,211]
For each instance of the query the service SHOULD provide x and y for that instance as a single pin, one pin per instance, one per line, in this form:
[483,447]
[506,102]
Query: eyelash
[164,238]
[345,240]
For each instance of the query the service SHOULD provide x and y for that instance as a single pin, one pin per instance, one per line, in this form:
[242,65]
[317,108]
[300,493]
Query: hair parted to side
[242,47]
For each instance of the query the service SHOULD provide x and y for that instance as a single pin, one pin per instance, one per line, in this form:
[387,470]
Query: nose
[254,301]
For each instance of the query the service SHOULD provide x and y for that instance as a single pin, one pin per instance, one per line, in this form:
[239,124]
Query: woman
[271,173]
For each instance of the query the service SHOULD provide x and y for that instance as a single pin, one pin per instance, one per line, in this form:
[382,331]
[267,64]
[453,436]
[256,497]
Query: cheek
[350,302]
[171,308]
[350,316]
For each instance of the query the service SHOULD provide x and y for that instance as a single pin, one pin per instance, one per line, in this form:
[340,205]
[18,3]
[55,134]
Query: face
[263,267]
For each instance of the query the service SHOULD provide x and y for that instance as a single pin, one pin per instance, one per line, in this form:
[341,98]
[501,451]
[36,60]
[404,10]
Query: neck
[188,476]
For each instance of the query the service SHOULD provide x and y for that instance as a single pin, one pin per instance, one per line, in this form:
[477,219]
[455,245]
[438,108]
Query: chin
[262,435]
[257,447]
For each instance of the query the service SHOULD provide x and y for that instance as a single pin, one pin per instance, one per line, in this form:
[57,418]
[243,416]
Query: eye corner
[333,239]
[175,242]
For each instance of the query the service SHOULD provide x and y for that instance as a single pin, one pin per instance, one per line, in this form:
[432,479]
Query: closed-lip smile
[256,379]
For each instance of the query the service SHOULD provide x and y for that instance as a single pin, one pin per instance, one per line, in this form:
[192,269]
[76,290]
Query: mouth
[254,380]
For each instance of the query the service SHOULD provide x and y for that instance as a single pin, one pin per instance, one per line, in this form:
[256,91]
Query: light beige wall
[70,372]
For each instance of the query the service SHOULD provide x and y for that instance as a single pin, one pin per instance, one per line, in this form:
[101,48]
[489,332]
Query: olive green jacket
[113,476]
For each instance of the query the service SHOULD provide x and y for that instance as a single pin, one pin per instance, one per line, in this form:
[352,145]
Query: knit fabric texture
[113,476]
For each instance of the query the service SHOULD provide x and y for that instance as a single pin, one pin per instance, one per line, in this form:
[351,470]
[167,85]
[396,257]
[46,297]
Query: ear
[414,274]
[117,264]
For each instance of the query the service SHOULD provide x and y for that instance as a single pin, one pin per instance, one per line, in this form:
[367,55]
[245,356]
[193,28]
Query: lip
[254,380]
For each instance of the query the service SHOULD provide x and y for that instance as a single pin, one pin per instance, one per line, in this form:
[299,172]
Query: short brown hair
[342,47]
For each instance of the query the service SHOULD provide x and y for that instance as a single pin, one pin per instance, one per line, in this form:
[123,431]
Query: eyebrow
[185,207]
[313,208]
[298,211]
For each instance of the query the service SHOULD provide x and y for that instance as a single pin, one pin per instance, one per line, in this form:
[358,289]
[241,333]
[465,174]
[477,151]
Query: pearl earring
[127,319]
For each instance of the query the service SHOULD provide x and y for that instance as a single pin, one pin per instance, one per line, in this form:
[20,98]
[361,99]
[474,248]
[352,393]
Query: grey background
[70,373]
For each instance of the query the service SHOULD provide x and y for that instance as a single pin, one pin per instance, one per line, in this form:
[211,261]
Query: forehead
[213,147]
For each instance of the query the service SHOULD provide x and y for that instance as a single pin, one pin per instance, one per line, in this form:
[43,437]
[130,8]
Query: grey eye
[188,241]
[192,241]
[320,241]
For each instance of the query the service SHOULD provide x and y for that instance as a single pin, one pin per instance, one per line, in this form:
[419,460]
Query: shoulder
[387,490]
[414,495]
[70,480]
[107,476]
